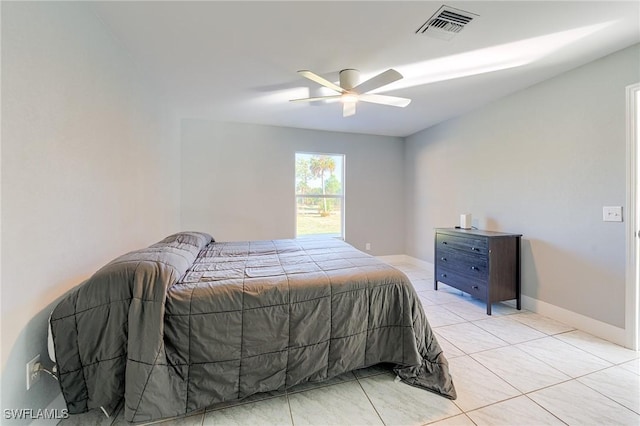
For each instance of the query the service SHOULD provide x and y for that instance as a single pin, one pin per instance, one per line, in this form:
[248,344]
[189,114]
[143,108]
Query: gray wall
[90,170]
[238,182]
[542,162]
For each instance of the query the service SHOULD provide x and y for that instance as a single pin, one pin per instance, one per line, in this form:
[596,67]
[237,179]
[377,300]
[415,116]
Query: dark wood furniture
[485,264]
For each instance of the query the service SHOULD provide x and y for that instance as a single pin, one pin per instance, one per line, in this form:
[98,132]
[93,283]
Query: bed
[189,322]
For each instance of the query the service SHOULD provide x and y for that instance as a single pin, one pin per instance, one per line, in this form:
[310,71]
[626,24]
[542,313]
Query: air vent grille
[446,23]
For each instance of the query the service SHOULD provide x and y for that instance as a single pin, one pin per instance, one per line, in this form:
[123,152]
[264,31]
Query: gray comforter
[188,322]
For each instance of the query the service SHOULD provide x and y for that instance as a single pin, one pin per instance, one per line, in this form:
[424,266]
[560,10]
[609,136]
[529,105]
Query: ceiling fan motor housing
[349,78]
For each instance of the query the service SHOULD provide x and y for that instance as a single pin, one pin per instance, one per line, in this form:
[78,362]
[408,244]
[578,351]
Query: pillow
[196,239]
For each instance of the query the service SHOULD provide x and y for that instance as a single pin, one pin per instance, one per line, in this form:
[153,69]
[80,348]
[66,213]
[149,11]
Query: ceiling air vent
[446,23]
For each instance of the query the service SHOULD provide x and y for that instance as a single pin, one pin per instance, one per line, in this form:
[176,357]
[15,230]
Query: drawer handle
[443,275]
[444,259]
[475,287]
[475,268]
[475,249]
[444,242]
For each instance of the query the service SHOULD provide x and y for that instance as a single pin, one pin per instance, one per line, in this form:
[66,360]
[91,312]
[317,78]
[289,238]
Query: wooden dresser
[485,264]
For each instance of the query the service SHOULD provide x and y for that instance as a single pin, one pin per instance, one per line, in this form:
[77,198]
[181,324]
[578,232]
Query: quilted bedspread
[189,322]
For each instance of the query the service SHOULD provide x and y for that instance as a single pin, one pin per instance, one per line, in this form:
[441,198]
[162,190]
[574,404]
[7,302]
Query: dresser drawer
[472,265]
[476,288]
[464,243]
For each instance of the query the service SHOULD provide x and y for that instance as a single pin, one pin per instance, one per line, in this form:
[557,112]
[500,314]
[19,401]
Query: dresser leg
[488,308]
[519,303]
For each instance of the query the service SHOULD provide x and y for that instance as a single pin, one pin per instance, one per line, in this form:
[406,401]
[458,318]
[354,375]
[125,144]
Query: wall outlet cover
[33,373]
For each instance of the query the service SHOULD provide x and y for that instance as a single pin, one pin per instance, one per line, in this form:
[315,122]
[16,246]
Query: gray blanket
[188,322]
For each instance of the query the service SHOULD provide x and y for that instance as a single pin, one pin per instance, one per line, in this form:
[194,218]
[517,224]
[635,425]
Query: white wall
[541,162]
[238,182]
[90,170]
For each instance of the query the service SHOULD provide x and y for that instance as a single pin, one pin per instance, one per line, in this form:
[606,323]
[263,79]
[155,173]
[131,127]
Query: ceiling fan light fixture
[349,98]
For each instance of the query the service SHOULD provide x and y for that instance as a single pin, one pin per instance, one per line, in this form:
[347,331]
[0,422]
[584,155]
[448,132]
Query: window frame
[341,197]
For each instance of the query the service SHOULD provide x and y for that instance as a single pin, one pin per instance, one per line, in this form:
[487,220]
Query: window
[319,195]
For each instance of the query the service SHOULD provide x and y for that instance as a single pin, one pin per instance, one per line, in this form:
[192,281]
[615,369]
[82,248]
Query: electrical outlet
[33,371]
[367,246]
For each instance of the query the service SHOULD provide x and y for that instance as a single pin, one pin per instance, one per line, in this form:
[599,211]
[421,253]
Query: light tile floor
[512,368]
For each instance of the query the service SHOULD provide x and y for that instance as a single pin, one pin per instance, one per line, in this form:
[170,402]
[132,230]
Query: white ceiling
[237,61]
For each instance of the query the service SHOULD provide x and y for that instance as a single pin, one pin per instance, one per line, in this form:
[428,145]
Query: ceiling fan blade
[385,100]
[382,79]
[323,81]
[320,98]
[348,109]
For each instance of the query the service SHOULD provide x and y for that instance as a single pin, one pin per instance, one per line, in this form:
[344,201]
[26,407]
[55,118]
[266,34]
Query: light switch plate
[612,213]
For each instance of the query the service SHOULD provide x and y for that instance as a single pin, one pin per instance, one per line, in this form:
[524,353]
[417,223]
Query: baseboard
[589,325]
[581,322]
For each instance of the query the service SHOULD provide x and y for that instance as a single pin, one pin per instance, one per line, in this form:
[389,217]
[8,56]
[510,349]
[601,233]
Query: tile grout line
[568,381]
[580,349]
[286,394]
[369,399]
[499,378]
[607,396]
[584,350]
[509,399]
[543,407]
[462,413]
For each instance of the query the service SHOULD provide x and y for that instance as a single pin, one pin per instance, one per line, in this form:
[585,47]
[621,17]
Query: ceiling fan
[350,91]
